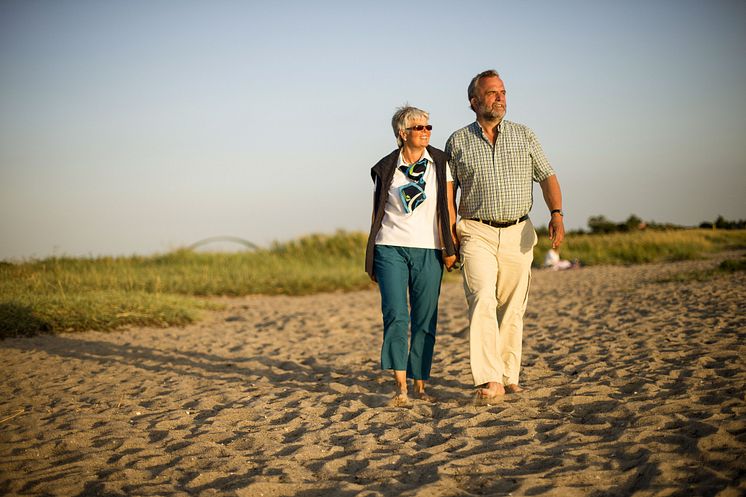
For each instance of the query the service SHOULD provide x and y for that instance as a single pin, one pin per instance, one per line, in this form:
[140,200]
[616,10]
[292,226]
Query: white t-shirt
[419,228]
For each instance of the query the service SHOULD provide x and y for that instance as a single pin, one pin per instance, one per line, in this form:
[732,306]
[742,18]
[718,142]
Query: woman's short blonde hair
[403,117]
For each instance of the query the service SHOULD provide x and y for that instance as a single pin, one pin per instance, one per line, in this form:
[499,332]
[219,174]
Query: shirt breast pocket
[515,157]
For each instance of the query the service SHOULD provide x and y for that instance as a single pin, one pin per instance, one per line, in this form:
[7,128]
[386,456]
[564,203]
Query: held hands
[453,261]
[450,262]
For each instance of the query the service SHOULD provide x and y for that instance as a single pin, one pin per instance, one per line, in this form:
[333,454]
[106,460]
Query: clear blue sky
[141,126]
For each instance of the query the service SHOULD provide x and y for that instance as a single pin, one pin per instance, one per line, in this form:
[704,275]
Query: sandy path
[634,387]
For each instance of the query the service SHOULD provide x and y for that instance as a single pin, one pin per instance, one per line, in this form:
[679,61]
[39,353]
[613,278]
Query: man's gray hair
[403,117]
[489,73]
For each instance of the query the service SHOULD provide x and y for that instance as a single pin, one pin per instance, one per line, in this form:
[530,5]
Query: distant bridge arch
[223,239]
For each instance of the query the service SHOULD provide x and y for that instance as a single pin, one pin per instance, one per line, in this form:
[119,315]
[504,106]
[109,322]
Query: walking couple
[414,233]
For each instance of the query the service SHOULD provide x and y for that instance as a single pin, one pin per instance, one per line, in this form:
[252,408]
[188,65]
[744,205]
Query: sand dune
[633,387]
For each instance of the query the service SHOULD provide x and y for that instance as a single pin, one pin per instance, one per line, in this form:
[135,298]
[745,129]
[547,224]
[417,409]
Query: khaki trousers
[497,276]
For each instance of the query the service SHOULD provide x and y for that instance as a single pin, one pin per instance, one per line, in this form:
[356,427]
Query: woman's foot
[399,399]
[419,391]
[513,388]
[424,396]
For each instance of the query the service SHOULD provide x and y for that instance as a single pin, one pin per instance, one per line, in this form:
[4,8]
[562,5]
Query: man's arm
[553,197]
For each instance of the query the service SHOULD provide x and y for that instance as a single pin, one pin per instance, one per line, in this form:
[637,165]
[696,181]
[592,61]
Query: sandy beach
[634,386]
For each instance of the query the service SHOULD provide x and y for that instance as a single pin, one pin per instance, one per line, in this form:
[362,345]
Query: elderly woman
[410,239]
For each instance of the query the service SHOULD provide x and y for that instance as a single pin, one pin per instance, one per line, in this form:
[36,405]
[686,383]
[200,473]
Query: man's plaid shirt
[495,181]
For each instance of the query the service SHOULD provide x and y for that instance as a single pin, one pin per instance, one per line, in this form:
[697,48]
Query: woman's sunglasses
[420,127]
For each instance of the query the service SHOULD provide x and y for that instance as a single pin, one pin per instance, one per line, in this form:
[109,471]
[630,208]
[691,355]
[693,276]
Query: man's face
[489,101]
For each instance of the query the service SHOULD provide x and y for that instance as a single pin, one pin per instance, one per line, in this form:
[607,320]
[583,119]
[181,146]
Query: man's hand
[556,230]
[553,197]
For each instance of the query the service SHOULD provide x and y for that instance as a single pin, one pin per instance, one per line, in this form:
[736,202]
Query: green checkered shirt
[495,181]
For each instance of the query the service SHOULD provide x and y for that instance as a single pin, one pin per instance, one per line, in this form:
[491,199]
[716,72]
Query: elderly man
[494,162]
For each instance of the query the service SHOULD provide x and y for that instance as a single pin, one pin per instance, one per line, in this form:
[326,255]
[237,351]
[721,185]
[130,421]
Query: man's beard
[491,113]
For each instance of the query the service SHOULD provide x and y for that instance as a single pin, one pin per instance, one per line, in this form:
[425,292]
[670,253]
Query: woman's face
[414,138]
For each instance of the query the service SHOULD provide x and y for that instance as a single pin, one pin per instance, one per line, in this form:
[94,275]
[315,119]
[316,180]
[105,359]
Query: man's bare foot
[513,388]
[491,390]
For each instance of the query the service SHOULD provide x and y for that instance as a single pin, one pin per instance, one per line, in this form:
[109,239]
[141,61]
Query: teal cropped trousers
[417,272]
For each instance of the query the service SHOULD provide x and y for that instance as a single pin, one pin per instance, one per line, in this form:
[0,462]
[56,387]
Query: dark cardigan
[383,174]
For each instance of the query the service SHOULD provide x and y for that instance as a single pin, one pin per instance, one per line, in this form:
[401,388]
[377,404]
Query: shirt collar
[402,162]
[478,127]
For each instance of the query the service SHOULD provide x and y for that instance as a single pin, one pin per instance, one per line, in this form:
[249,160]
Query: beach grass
[27,314]
[639,247]
[70,294]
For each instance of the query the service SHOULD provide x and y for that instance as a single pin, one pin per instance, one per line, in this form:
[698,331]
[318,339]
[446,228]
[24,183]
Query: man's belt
[497,224]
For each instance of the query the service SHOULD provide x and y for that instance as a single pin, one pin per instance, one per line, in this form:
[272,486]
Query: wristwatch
[559,211]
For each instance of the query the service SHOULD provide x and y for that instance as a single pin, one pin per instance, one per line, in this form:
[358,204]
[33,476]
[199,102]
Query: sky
[140,127]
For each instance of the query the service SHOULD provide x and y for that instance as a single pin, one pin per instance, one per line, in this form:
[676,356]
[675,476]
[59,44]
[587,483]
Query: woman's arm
[450,260]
